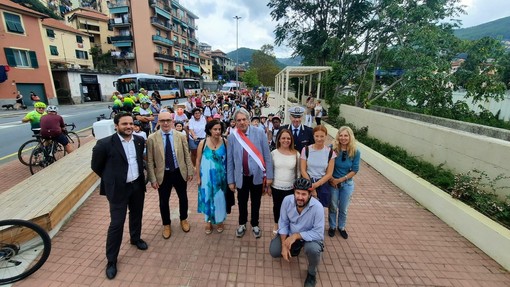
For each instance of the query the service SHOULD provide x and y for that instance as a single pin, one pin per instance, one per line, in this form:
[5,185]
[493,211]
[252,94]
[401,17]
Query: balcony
[163,57]
[122,55]
[161,24]
[162,40]
[117,3]
[119,22]
[121,38]
[118,6]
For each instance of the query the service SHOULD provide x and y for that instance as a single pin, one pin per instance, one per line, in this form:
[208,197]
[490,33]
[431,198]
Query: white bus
[168,88]
[189,86]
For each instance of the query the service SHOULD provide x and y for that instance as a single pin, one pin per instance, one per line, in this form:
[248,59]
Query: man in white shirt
[196,130]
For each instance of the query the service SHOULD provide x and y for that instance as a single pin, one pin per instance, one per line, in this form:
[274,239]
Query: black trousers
[249,190]
[278,196]
[118,210]
[173,179]
[318,120]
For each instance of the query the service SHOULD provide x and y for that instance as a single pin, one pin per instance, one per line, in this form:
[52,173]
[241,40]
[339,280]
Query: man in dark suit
[303,135]
[118,160]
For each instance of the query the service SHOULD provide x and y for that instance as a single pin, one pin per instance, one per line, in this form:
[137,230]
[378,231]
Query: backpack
[324,112]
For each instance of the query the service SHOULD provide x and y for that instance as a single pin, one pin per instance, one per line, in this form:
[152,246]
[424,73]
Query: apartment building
[65,46]
[23,55]
[94,23]
[155,37]
[206,63]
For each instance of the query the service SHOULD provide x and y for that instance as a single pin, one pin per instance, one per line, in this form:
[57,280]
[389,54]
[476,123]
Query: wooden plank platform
[47,196]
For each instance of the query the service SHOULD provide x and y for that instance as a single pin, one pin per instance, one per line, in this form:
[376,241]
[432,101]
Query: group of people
[46,122]
[242,156]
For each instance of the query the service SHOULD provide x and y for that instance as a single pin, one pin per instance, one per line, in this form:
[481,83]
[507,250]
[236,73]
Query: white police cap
[296,111]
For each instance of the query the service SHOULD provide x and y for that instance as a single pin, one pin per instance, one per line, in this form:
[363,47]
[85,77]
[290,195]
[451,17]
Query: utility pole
[237,51]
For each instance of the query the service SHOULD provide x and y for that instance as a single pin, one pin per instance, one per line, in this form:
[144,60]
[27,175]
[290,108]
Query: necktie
[246,169]
[295,133]
[169,157]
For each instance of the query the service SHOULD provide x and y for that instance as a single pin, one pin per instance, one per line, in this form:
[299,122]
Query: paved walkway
[393,241]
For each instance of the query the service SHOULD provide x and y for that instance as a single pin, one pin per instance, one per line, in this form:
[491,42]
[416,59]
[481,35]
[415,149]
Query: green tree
[264,64]
[102,62]
[250,78]
[482,74]
[39,7]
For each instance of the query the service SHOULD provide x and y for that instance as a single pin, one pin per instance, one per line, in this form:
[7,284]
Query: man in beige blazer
[169,165]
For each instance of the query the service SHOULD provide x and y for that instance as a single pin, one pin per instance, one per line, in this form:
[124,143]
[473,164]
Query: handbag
[324,195]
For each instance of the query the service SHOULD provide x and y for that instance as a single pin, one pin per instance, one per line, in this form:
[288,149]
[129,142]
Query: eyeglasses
[344,155]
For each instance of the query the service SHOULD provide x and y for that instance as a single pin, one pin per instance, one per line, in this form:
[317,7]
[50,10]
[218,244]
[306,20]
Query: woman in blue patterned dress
[212,176]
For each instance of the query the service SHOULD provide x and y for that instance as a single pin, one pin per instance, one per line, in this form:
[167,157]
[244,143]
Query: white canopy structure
[305,74]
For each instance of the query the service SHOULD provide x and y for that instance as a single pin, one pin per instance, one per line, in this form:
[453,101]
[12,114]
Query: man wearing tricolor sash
[249,169]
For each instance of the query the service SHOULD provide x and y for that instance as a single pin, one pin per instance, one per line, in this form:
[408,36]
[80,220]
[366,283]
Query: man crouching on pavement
[301,224]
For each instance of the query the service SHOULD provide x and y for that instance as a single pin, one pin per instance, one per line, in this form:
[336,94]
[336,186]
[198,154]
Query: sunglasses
[344,155]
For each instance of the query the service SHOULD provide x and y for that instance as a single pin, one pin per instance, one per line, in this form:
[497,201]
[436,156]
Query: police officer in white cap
[303,135]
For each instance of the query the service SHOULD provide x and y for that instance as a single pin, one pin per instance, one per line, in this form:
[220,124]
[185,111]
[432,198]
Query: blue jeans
[340,200]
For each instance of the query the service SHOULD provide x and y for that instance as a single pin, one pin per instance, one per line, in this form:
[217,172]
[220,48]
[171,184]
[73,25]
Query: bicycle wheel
[38,160]
[74,139]
[59,152]
[25,150]
[24,247]
[112,114]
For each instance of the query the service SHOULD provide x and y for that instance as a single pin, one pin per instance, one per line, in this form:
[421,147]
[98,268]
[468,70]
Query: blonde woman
[317,162]
[341,184]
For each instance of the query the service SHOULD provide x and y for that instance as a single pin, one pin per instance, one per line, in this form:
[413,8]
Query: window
[161,68]
[53,50]
[92,39]
[21,58]
[158,32]
[50,33]
[177,54]
[82,54]
[13,23]
[183,41]
[178,69]
[185,56]
[79,39]
[175,38]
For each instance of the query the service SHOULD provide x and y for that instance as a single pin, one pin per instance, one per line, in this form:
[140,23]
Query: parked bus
[189,86]
[168,87]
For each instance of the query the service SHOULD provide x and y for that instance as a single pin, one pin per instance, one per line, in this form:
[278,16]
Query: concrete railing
[486,234]
[459,151]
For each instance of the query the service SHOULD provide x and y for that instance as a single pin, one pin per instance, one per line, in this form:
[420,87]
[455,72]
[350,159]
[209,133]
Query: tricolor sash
[250,149]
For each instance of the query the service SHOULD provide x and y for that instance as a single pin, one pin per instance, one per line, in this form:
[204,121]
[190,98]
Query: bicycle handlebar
[72,125]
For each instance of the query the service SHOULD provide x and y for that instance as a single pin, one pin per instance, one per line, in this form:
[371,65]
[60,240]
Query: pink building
[22,53]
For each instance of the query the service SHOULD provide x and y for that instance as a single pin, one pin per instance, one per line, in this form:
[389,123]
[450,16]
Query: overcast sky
[217,26]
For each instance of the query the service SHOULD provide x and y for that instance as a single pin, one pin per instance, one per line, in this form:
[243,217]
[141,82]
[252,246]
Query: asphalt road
[13,132]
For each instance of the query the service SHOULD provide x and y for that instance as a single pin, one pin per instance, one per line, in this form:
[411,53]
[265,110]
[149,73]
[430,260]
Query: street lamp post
[237,50]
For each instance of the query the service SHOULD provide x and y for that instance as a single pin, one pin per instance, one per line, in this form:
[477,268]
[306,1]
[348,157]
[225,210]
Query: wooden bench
[47,197]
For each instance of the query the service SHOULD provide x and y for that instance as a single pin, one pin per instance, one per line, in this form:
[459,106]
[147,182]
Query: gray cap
[296,111]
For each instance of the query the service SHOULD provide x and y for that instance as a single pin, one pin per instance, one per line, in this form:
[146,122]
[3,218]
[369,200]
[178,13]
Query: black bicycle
[25,150]
[24,247]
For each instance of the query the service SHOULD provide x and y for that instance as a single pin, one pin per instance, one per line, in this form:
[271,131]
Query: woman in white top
[286,170]
[318,161]
[318,112]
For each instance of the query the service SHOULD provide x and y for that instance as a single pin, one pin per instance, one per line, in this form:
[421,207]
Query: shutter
[9,54]
[77,54]
[33,59]
[86,55]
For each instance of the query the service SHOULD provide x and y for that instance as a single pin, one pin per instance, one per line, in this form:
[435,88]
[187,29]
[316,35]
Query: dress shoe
[111,270]
[140,244]
[343,233]
[167,231]
[185,225]
[331,232]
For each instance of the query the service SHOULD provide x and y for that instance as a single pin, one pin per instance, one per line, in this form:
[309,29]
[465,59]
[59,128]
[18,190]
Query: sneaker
[241,230]
[343,233]
[310,280]
[256,231]
[331,232]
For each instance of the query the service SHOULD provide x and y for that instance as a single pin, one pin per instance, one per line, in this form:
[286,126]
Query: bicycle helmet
[145,101]
[302,184]
[40,105]
[52,109]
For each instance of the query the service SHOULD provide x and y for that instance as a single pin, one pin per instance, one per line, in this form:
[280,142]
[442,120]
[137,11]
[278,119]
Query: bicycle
[25,150]
[24,248]
[46,153]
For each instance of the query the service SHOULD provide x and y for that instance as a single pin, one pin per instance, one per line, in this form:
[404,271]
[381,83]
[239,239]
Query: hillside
[499,29]
[246,53]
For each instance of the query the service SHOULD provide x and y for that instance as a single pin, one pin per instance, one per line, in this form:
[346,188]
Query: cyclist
[128,103]
[53,128]
[34,117]
[143,113]
[117,104]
